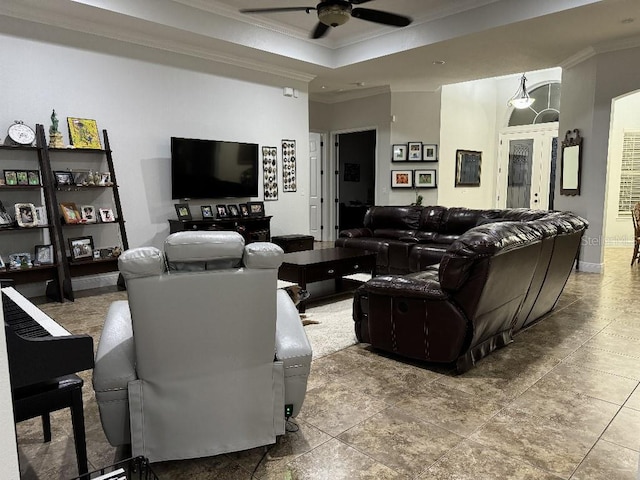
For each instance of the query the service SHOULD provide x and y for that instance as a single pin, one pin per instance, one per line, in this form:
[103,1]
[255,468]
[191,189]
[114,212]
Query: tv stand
[253,229]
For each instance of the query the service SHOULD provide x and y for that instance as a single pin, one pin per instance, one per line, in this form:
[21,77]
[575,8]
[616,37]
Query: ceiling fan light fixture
[521,98]
[334,14]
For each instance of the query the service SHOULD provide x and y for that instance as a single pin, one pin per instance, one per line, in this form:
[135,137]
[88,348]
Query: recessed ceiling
[475,38]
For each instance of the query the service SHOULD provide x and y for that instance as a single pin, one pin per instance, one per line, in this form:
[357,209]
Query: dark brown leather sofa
[492,280]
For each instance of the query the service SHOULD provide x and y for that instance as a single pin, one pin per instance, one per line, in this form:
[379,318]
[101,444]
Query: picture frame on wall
[429,152]
[399,153]
[468,168]
[183,211]
[401,179]
[414,151]
[425,179]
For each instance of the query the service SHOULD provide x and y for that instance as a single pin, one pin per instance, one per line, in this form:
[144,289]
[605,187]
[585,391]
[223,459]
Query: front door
[525,168]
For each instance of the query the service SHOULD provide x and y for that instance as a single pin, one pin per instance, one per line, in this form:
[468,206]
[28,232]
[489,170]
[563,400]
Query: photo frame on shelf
[414,151]
[20,260]
[33,177]
[244,210]
[105,179]
[10,177]
[468,163]
[63,178]
[70,212]
[88,213]
[2,265]
[80,177]
[399,153]
[26,214]
[256,209]
[429,152]
[222,212]
[233,210]
[43,254]
[41,216]
[22,177]
[401,179]
[83,133]
[183,211]
[5,217]
[207,211]
[425,179]
[106,215]
[81,248]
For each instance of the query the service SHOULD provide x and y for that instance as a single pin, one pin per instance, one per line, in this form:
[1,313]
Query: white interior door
[525,167]
[315,185]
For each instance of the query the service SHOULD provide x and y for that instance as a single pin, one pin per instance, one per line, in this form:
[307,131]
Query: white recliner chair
[206,356]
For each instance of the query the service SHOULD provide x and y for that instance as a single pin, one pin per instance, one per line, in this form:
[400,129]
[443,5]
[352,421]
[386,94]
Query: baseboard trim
[591,267]
[88,282]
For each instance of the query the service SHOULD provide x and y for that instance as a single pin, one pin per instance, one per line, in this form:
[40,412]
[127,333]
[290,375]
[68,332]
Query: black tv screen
[213,169]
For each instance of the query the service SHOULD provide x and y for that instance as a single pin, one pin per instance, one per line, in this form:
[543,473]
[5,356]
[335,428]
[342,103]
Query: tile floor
[561,402]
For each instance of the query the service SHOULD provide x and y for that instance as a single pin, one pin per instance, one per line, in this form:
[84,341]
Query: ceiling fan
[332,13]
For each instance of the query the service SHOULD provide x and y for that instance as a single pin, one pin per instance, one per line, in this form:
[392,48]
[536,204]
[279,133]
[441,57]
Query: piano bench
[41,399]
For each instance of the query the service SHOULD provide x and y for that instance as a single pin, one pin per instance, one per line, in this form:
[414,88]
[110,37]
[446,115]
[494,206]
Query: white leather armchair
[205,355]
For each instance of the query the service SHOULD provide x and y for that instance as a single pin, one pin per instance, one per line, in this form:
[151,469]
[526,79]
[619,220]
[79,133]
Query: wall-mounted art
[289,183]
[425,179]
[401,178]
[270,172]
[429,152]
[468,164]
[414,151]
[399,153]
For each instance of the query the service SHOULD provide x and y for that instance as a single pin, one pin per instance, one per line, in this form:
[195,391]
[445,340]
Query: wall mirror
[571,163]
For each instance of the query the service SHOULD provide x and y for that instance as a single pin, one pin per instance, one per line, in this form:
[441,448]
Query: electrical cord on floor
[264,455]
[291,426]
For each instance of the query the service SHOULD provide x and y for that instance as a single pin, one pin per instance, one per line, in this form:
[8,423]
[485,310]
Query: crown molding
[173,45]
[579,57]
[604,47]
[338,97]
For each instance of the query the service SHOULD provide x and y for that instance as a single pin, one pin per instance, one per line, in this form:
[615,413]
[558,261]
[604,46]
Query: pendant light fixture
[521,99]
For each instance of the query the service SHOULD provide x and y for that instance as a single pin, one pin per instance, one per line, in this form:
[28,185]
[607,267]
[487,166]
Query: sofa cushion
[431,218]
[402,218]
[459,220]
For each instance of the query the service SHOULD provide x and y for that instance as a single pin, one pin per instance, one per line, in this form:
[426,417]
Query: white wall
[625,116]
[468,122]
[142,104]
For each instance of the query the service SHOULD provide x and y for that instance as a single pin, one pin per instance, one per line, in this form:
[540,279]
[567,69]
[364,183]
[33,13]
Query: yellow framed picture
[83,133]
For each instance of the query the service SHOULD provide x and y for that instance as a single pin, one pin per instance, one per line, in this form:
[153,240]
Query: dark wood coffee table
[326,264]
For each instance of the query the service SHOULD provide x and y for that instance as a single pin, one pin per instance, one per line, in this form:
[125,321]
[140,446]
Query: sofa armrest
[294,350]
[356,233]
[423,285]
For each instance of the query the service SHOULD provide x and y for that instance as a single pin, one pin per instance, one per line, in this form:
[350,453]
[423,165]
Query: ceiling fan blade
[277,9]
[378,16]
[358,2]
[320,30]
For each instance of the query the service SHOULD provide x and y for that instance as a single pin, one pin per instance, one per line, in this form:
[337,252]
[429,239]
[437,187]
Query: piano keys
[39,349]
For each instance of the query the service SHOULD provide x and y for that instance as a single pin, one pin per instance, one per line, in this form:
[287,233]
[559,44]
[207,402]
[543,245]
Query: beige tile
[545,444]
[335,460]
[470,460]
[55,459]
[287,447]
[334,408]
[449,408]
[400,441]
[634,400]
[608,362]
[208,468]
[607,461]
[615,343]
[625,429]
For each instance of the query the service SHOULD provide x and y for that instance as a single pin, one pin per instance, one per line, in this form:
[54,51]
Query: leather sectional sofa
[501,274]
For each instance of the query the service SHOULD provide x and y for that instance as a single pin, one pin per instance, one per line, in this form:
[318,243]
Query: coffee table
[326,264]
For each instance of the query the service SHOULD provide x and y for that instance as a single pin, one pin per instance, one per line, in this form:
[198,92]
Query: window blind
[629,173]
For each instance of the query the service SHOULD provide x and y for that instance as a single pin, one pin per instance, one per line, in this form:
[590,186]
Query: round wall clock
[21,134]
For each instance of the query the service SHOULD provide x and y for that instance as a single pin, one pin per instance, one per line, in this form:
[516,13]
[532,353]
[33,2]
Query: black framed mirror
[571,163]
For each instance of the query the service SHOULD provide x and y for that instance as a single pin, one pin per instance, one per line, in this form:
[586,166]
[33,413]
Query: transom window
[545,109]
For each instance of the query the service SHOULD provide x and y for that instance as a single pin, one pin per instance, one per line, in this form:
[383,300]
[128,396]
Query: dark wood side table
[310,266]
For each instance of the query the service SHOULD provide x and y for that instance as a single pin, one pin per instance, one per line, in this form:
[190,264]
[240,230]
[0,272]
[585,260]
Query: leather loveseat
[410,238]
[492,280]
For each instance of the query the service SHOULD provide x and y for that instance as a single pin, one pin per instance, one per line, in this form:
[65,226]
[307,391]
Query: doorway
[526,170]
[355,154]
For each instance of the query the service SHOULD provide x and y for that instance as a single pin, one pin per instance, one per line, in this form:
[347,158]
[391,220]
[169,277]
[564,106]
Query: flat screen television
[213,169]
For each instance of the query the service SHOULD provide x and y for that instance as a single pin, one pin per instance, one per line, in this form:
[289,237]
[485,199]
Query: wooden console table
[253,229]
